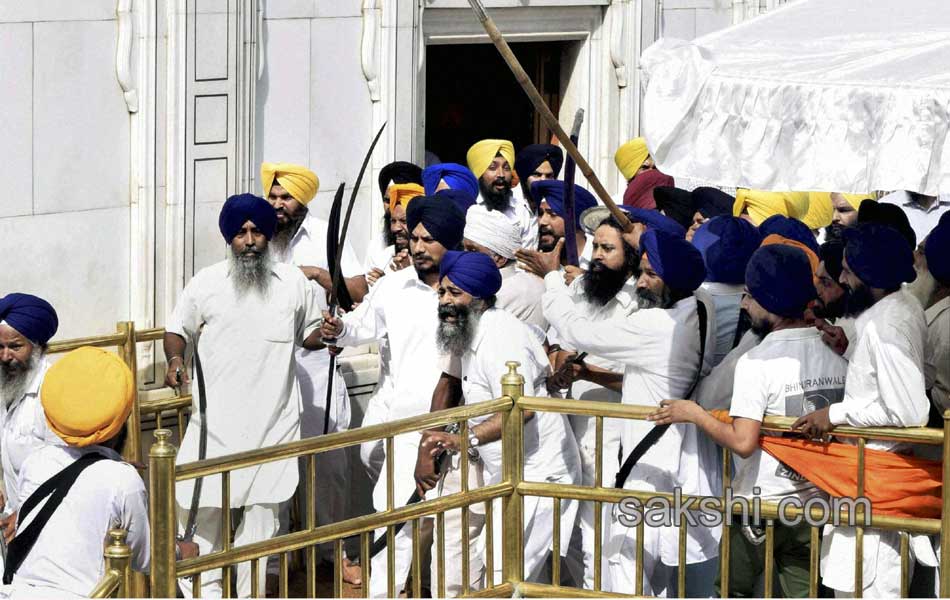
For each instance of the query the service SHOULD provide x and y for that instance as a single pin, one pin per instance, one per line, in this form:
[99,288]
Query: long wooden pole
[549,119]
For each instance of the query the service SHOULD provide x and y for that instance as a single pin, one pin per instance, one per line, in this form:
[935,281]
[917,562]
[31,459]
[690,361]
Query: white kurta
[380,258]
[520,294]
[246,346]
[67,558]
[24,430]
[937,362]
[519,212]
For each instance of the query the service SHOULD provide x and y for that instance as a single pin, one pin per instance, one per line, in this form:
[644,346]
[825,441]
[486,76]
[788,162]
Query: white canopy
[825,95]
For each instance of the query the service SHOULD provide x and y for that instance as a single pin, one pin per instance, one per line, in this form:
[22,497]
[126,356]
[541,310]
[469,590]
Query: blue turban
[831,254]
[33,317]
[792,229]
[654,219]
[937,250]
[879,255]
[473,272]
[533,155]
[712,202]
[443,220]
[552,192]
[888,214]
[462,199]
[779,278]
[456,176]
[678,263]
[727,244]
[242,208]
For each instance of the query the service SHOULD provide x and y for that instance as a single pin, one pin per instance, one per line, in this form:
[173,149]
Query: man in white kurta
[659,349]
[492,162]
[246,337]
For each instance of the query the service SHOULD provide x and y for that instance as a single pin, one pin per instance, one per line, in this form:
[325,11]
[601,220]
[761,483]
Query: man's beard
[832,310]
[601,283]
[761,328]
[648,299]
[544,245]
[388,236]
[400,242]
[250,270]
[834,233]
[15,376]
[430,268]
[857,300]
[495,200]
[456,337]
[923,287]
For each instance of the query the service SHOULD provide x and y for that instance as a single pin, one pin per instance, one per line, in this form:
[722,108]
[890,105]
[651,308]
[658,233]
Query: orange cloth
[813,260]
[402,193]
[897,485]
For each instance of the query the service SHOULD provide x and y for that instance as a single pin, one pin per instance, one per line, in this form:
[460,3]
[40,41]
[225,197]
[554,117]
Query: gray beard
[923,288]
[456,338]
[647,299]
[13,382]
[251,272]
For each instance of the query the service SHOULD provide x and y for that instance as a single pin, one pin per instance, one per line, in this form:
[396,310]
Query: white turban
[493,230]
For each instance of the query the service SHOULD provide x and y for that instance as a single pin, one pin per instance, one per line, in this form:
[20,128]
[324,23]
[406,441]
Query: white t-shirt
[790,373]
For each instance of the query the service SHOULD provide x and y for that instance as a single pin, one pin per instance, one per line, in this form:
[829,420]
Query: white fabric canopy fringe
[825,95]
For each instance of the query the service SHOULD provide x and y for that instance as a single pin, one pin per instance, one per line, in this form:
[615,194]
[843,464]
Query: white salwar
[247,344]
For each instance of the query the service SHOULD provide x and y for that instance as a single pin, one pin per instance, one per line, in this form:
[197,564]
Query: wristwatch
[473,446]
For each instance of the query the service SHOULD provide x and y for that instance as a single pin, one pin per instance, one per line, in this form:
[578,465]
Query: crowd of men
[833,308]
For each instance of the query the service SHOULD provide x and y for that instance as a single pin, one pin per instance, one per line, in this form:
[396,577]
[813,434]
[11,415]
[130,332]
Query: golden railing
[163,475]
[116,582]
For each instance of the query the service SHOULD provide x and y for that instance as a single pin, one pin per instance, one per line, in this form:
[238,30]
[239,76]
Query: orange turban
[813,259]
[301,182]
[402,193]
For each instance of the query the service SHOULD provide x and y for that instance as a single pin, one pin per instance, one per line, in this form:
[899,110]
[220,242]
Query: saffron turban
[402,193]
[481,155]
[552,192]
[631,156]
[820,210]
[712,202]
[472,272]
[398,172]
[774,238]
[890,215]
[792,229]
[678,263]
[443,220]
[879,255]
[243,208]
[301,182]
[855,200]
[831,254]
[762,205]
[456,176]
[34,318]
[493,230]
[639,192]
[531,157]
[726,243]
[655,220]
[937,250]
[675,203]
[462,199]
[780,279]
[87,396]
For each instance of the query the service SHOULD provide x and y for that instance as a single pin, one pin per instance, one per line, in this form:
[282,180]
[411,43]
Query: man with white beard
[245,317]
[26,325]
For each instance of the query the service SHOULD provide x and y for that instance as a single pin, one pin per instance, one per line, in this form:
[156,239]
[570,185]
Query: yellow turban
[855,200]
[820,210]
[402,193]
[87,396]
[762,205]
[630,157]
[481,154]
[301,182]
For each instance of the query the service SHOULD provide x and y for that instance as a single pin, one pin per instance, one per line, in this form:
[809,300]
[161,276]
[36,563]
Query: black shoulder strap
[56,487]
[657,432]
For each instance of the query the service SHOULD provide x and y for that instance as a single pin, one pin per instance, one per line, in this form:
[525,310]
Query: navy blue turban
[443,220]
[779,278]
[879,255]
[675,203]
[33,317]
[456,176]
[678,263]
[712,202]
[654,219]
[242,208]
[831,254]
[472,272]
[532,156]
[398,172]
[937,250]
[552,192]
[888,214]
[727,243]
[792,229]
[462,199]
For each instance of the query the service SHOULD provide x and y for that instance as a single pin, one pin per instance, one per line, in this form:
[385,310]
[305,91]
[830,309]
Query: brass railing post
[161,477]
[132,451]
[512,386]
[118,557]
[945,514]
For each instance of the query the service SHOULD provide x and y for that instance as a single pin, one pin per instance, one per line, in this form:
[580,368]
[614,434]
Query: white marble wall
[688,19]
[64,222]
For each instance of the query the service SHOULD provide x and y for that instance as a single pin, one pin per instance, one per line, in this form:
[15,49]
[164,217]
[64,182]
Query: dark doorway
[471,95]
